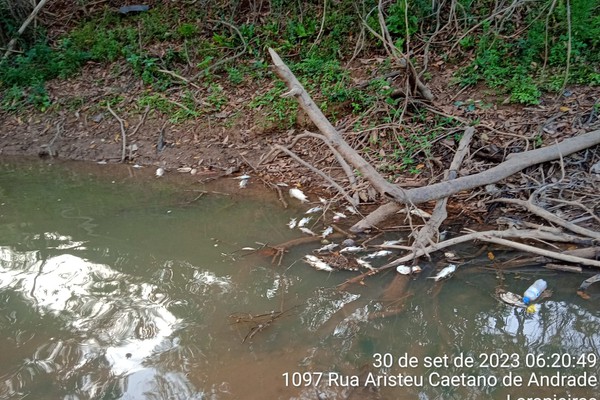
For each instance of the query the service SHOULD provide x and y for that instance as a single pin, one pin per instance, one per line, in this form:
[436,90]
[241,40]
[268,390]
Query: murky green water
[122,286]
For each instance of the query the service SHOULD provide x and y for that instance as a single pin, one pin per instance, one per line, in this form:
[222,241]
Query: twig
[137,127]
[318,172]
[548,216]
[224,60]
[185,80]
[24,26]
[123,134]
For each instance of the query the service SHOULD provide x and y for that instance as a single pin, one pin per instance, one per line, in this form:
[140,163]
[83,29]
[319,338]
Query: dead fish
[184,170]
[243,183]
[444,273]
[352,249]
[364,264]
[380,253]
[328,231]
[243,177]
[339,215]
[298,194]
[327,247]
[391,242]
[407,270]
[317,263]
[307,231]
[159,172]
[292,223]
[314,210]
[512,299]
[304,221]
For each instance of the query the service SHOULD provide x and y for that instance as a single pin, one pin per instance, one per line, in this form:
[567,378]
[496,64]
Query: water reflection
[121,323]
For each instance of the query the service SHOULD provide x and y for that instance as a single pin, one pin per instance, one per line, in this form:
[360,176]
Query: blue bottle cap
[526,300]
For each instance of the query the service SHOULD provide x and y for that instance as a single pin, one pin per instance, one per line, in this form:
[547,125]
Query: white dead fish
[364,264]
[391,242]
[298,194]
[512,299]
[292,223]
[160,171]
[243,177]
[380,253]
[243,183]
[184,170]
[317,263]
[248,248]
[338,215]
[304,221]
[307,231]
[444,273]
[407,270]
[328,231]
[327,247]
[352,249]
[314,210]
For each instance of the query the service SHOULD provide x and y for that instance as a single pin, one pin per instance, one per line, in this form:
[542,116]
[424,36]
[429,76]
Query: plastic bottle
[534,291]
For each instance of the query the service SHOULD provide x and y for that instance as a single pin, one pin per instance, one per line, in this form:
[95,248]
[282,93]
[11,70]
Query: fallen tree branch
[345,167]
[439,215]
[318,172]
[13,41]
[123,134]
[548,216]
[515,162]
[498,237]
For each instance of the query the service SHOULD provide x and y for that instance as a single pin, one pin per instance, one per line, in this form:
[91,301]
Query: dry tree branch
[123,134]
[439,214]
[548,216]
[13,41]
[498,237]
[318,172]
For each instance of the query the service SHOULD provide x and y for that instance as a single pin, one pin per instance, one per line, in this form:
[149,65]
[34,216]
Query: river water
[118,285]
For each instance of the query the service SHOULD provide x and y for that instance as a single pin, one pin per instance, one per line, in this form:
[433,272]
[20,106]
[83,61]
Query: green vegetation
[520,52]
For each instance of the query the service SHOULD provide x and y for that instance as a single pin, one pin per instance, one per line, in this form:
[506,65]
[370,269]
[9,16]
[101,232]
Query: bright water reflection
[121,288]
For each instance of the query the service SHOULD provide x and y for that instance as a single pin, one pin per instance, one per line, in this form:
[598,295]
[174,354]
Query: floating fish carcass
[298,194]
[380,253]
[444,273]
[407,270]
[314,210]
[317,263]
[292,223]
[327,231]
[304,221]
[307,231]
[352,249]
[327,247]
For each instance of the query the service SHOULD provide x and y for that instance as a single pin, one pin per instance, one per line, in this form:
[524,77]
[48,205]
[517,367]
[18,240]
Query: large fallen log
[515,162]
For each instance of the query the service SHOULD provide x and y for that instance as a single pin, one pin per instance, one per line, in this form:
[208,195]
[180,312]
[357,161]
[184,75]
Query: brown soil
[232,139]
